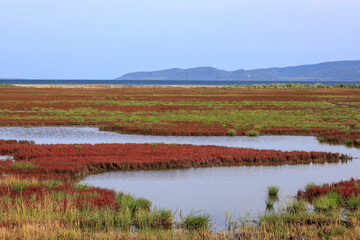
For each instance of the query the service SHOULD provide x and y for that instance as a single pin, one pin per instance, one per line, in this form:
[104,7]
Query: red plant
[344,188]
[68,161]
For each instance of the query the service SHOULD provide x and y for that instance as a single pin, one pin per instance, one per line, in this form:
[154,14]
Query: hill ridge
[325,71]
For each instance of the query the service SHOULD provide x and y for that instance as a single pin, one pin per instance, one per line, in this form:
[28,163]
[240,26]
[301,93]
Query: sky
[104,39]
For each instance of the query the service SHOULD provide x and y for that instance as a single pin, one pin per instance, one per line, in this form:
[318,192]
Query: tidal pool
[240,190]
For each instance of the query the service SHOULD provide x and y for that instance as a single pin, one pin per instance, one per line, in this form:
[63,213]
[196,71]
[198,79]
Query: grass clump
[134,204]
[142,219]
[138,212]
[348,141]
[338,231]
[231,132]
[331,139]
[273,191]
[163,218]
[157,219]
[296,206]
[27,165]
[142,203]
[309,185]
[354,202]
[153,144]
[124,219]
[330,201]
[197,222]
[252,133]
[78,147]
[81,187]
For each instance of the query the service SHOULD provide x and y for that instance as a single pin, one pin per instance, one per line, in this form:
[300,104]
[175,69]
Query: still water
[240,190]
[6,158]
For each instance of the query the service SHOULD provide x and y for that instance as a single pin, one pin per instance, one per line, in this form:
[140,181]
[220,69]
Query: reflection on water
[241,190]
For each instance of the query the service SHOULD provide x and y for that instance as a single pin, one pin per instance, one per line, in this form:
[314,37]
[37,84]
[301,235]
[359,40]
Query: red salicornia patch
[69,161]
[346,189]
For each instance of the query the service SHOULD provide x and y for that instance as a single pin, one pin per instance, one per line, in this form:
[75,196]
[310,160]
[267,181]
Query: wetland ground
[43,175]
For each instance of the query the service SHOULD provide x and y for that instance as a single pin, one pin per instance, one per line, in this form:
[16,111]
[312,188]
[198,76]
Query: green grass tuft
[134,204]
[163,218]
[142,203]
[331,139]
[327,202]
[252,133]
[348,141]
[197,222]
[27,165]
[273,190]
[296,206]
[81,187]
[309,185]
[354,202]
[231,132]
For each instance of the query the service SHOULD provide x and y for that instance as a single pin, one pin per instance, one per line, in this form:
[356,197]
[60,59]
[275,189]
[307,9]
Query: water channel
[240,190]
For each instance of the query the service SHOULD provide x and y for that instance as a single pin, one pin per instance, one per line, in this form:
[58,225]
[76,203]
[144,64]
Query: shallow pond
[241,190]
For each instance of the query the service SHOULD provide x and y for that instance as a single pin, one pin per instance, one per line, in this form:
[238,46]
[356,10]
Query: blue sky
[104,39]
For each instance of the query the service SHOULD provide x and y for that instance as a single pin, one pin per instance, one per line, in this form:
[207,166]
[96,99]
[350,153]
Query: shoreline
[113,86]
[247,86]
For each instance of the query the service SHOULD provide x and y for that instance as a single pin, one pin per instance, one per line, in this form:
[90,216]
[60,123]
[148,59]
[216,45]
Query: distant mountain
[328,71]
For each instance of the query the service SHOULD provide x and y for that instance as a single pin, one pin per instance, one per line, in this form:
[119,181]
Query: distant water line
[166,82]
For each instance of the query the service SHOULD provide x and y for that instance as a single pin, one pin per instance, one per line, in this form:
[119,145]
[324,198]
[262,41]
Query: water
[241,190]
[165,82]
[91,135]
[6,158]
